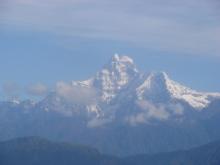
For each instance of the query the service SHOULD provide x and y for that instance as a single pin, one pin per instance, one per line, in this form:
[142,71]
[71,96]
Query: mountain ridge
[120,75]
[121,111]
[36,150]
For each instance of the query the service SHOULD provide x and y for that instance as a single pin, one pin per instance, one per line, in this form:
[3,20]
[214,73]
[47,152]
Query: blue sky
[42,42]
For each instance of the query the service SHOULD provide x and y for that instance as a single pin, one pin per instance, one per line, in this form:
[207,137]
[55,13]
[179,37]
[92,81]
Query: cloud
[190,26]
[160,112]
[11,90]
[96,122]
[149,111]
[177,109]
[153,111]
[38,89]
[76,93]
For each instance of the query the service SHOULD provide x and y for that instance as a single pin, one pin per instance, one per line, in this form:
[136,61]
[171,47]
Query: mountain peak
[159,76]
[157,80]
[154,87]
[122,59]
[121,64]
[115,75]
[115,57]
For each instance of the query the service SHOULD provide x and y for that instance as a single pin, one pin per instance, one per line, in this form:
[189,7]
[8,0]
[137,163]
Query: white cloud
[160,112]
[177,109]
[152,111]
[96,122]
[38,89]
[139,118]
[11,90]
[149,111]
[76,93]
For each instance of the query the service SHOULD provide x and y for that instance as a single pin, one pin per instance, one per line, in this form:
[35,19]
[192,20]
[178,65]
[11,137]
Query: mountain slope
[159,84]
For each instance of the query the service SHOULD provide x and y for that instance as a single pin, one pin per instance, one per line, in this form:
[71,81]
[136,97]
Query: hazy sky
[45,41]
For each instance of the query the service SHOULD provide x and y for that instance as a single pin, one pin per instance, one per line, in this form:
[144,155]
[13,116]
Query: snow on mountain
[159,87]
[154,88]
[118,84]
[112,78]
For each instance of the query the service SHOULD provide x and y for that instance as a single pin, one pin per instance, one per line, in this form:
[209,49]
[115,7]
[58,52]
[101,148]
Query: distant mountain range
[119,111]
[35,151]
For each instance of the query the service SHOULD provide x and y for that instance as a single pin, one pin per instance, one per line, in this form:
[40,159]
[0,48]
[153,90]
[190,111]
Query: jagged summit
[157,79]
[115,75]
[154,87]
[120,63]
[123,58]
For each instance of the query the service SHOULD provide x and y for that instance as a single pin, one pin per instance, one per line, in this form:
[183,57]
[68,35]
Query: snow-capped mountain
[118,83]
[119,110]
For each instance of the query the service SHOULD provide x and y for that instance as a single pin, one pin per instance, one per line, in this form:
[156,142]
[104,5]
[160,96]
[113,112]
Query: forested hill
[35,151]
